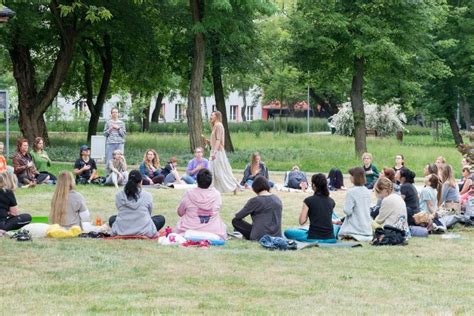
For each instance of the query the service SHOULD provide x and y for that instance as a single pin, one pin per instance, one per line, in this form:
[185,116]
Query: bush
[385,119]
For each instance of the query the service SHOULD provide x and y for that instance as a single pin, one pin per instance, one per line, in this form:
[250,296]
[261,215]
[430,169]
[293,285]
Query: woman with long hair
[255,168]
[150,168]
[393,210]
[10,217]
[134,210]
[409,194]
[68,207]
[450,198]
[318,209]
[24,167]
[223,177]
[41,158]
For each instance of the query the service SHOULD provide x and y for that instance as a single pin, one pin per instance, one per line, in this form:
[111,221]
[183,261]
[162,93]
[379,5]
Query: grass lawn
[429,276]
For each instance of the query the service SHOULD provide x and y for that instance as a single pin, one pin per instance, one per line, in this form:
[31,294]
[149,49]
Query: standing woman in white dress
[223,178]
[114,132]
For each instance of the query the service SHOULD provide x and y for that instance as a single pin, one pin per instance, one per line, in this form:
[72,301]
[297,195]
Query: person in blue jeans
[319,210]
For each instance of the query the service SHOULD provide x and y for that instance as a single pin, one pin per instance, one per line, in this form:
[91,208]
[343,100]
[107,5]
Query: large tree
[361,40]
[41,41]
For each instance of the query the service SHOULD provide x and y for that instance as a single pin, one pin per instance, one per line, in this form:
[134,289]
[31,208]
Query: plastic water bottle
[98,221]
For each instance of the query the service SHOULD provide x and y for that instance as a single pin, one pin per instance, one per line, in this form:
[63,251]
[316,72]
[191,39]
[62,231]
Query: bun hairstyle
[133,187]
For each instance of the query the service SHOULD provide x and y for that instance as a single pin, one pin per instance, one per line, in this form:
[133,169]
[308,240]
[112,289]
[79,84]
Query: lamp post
[5,14]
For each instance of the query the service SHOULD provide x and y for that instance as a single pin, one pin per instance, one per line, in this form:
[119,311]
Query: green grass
[429,276]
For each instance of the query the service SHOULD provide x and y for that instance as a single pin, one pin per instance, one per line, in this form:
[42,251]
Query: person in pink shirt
[199,208]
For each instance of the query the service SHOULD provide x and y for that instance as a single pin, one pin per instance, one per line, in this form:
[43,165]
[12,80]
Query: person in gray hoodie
[134,210]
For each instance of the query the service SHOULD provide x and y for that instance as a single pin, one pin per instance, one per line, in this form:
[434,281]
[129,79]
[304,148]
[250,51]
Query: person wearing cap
[114,132]
[85,167]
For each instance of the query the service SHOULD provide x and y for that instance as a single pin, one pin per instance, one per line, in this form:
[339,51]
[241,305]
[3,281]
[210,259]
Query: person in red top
[3,161]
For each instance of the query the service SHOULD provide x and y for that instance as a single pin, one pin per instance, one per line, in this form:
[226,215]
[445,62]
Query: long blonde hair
[64,185]
[8,181]
[155,161]
[254,165]
[218,116]
[448,176]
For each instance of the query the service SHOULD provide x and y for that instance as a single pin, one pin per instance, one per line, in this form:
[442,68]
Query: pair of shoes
[439,229]
[22,235]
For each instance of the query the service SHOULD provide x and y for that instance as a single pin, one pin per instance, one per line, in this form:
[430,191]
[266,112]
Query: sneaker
[22,235]
[235,234]
[439,229]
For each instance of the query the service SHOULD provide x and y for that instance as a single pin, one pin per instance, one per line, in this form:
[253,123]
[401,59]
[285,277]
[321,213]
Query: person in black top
[85,167]
[10,219]
[319,209]
[409,193]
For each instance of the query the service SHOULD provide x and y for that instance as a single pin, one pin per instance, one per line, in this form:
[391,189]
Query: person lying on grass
[199,209]
[68,207]
[265,210]
[10,217]
[135,207]
[318,209]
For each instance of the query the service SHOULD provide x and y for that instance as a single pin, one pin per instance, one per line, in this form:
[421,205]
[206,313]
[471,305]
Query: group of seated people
[399,204]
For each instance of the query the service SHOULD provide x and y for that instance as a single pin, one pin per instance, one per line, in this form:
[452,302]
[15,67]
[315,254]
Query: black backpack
[388,236]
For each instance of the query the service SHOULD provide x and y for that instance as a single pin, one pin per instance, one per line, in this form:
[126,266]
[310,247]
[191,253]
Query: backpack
[388,236]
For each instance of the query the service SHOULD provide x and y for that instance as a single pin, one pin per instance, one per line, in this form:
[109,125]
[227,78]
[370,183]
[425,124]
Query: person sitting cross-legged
[10,217]
[194,165]
[85,167]
[199,209]
[265,210]
[134,210]
[318,209]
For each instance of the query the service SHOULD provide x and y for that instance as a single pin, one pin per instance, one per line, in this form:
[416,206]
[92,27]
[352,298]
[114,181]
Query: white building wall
[173,109]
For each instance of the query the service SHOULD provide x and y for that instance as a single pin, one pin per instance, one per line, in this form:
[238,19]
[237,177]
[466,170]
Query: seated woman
[10,217]
[85,167]
[450,198]
[68,207]
[335,180]
[255,168]
[391,174]
[318,208]
[466,181]
[393,211]
[170,172]
[371,172]
[150,168]
[357,223]
[3,162]
[117,169]
[41,158]
[409,194]
[134,210]
[24,167]
[199,209]
[429,195]
[265,210]
[296,179]
[399,164]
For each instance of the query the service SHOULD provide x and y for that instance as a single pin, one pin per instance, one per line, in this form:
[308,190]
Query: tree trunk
[455,129]
[155,116]
[466,113]
[358,106]
[193,112]
[219,91]
[146,119]
[32,104]
[105,54]
[244,107]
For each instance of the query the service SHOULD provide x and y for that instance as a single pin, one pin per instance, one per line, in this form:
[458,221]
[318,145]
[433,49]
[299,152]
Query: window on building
[178,112]
[249,114]
[233,112]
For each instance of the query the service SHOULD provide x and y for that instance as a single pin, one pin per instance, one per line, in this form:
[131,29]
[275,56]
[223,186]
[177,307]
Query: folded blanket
[134,237]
